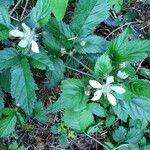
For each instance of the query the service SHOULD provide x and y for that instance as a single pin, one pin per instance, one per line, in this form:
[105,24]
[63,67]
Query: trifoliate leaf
[41,61]
[23,86]
[88,15]
[57,75]
[8,58]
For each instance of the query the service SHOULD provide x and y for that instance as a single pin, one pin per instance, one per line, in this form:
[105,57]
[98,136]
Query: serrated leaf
[8,58]
[57,75]
[90,45]
[7,125]
[72,96]
[23,86]
[57,35]
[103,66]
[119,134]
[41,61]
[78,120]
[39,113]
[121,50]
[134,136]
[40,14]
[4,16]
[87,16]
[137,108]
[140,88]
[4,32]
[59,8]
[5,78]
[96,109]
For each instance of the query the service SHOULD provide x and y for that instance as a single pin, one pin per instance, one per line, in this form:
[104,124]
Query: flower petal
[23,43]
[25,27]
[97,95]
[112,100]
[95,84]
[118,89]
[35,47]
[110,79]
[16,33]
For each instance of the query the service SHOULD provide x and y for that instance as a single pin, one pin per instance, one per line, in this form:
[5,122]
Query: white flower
[122,75]
[28,38]
[106,90]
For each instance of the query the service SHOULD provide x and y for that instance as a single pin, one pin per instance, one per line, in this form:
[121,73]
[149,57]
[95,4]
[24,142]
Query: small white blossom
[122,75]
[28,38]
[106,89]
[83,43]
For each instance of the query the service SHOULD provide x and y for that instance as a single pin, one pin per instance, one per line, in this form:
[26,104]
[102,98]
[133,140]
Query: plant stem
[97,141]
[123,145]
[91,71]
[80,71]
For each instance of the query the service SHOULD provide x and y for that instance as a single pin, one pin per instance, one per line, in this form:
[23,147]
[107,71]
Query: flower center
[29,36]
[106,89]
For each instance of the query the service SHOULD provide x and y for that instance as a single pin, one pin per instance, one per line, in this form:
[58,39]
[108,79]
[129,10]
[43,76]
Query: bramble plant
[109,89]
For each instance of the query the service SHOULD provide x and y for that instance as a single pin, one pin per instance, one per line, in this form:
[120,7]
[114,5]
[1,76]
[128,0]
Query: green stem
[91,71]
[123,145]
[80,71]
[97,141]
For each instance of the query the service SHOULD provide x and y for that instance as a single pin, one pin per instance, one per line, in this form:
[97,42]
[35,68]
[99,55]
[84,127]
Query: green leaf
[59,8]
[116,4]
[121,50]
[8,58]
[103,66]
[1,99]
[96,109]
[39,113]
[41,61]
[23,86]
[140,88]
[90,45]
[57,75]
[72,96]
[88,15]
[119,134]
[137,108]
[78,120]
[134,136]
[4,16]
[57,35]
[40,14]
[5,78]
[110,120]
[4,32]
[7,125]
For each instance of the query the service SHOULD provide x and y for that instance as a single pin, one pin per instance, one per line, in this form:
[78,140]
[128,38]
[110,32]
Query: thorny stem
[80,71]
[97,141]
[82,64]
